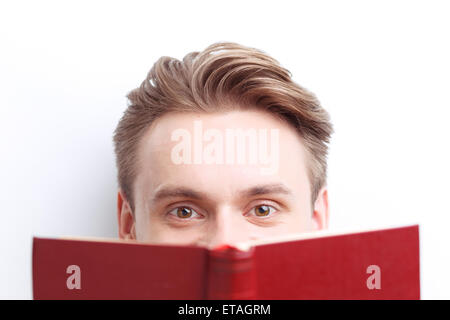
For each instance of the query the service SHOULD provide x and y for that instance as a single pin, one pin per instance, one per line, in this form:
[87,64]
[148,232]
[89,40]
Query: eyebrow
[177,192]
[184,192]
[266,189]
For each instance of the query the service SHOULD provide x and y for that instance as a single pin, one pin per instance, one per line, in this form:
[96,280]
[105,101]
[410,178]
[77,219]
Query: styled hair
[224,75]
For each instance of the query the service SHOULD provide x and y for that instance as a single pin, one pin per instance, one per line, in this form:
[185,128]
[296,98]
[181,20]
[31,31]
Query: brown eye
[184,212]
[262,211]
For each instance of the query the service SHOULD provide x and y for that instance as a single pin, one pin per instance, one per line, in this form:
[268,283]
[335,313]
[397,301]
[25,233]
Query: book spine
[231,274]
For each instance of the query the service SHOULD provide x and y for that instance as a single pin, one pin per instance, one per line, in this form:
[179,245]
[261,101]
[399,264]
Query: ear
[126,221]
[320,213]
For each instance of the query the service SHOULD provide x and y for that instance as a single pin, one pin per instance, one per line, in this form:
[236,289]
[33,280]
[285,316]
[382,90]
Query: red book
[379,264]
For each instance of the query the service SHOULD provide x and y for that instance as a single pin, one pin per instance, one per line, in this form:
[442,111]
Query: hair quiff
[224,75]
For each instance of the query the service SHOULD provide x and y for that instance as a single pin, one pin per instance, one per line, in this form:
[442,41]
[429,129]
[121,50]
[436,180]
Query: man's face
[191,189]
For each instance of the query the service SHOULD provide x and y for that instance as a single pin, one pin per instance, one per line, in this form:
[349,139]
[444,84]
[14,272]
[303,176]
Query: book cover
[377,264]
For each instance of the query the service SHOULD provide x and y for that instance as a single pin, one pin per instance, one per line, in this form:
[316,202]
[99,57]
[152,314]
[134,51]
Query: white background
[381,68]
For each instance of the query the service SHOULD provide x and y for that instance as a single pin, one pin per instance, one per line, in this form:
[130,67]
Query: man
[219,148]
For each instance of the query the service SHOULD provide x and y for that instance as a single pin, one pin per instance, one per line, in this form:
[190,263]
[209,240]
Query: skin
[215,204]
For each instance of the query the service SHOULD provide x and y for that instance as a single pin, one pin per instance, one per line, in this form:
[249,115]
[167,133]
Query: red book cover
[378,264]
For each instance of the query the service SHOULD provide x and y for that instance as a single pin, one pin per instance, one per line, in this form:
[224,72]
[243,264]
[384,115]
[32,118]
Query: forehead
[206,140]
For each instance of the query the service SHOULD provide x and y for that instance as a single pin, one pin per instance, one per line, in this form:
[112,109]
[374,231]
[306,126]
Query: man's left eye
[263,210]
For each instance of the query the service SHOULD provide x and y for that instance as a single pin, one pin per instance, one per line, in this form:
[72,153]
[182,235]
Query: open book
[377,264]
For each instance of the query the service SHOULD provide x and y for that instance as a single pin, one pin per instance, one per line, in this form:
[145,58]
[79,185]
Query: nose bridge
[226,227]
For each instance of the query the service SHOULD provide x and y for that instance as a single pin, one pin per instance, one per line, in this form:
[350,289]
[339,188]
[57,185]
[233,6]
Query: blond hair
[223,75]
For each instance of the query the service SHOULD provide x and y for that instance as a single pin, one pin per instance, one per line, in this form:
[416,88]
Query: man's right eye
[185,213]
